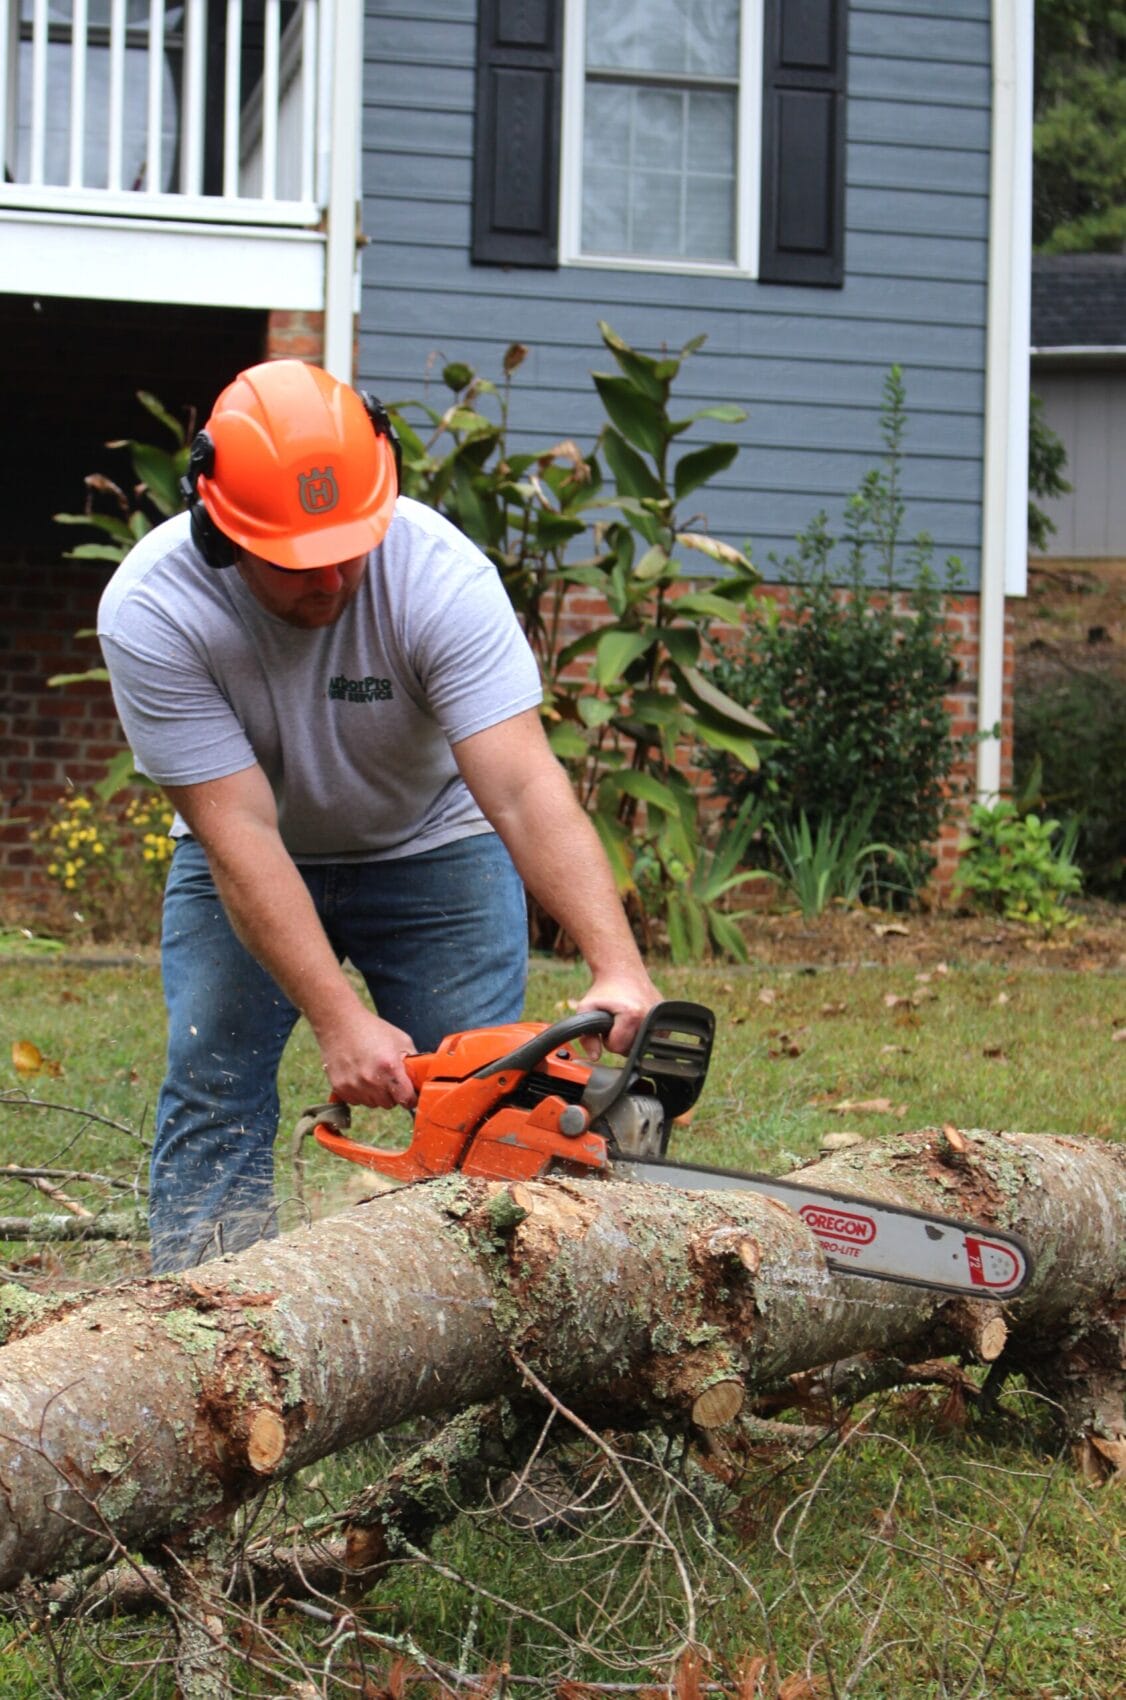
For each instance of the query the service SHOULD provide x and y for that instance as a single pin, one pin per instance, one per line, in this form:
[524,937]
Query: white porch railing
[215,110]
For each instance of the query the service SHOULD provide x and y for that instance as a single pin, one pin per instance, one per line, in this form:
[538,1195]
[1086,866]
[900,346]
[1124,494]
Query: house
[1079,373]
[821,189]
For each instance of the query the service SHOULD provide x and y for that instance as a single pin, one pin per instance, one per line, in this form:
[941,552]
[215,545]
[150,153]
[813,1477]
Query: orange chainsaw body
[461,1120]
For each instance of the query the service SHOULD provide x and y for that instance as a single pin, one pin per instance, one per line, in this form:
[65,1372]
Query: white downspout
[341,249]
[1004,556]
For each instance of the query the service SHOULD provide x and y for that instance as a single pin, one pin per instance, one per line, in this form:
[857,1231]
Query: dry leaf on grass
[29,1059]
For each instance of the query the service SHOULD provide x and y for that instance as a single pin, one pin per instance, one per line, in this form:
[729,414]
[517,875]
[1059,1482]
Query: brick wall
[51,739]
[79,366]
[585,607]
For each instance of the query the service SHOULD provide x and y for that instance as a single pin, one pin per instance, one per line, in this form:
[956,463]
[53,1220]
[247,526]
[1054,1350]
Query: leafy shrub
[1010,865]
[852,675]
[107,853]
[626,703]
[1069,756]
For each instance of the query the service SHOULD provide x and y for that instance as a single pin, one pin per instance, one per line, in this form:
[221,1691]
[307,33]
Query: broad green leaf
[578,646]
[647,788]
[151,405]
[616,651]
[553,528]
[636,417]
[694,343]
[464,419]
[717,703]
[95,552]
[99,673]
[615,842]
[708,604]
[682,644]
[640,369]
[657,708]
[696,468]
[139,525]
[594,711]
[631,475]
[718,550]
[718,737]
[652,564]
[156,472]
[109,523]
[567,742]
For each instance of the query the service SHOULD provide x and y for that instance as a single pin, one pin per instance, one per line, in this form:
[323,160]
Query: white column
[343,187]
[1004,555]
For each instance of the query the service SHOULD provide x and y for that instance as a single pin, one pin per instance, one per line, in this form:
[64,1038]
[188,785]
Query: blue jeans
[441,940]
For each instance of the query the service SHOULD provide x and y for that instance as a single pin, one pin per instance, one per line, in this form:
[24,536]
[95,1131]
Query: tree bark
[145,1414]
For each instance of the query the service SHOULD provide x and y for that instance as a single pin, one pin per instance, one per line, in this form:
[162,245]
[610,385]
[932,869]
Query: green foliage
[1079,136]
[854,684]
[1009,864]
[1047,458]
[626,702]
[1069,756]
[107,854]
[155,490]
[833,864]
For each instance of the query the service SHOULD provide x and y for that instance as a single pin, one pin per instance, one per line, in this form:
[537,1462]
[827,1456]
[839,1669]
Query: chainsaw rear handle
[525,1057]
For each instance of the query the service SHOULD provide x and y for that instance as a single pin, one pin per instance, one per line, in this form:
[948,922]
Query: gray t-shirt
[352,723]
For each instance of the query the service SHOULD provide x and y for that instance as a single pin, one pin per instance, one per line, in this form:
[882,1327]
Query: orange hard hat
[299,471]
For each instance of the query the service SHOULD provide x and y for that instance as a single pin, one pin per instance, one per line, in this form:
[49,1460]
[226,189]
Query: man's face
[311,598]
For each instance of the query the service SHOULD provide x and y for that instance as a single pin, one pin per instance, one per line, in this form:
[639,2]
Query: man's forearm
[269,906]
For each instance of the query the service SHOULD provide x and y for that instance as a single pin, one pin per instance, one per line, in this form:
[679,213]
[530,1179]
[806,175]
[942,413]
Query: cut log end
[265,1441]
[718,1405]
[981,1328]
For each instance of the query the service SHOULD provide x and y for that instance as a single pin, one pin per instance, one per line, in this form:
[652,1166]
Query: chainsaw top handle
[525,1057]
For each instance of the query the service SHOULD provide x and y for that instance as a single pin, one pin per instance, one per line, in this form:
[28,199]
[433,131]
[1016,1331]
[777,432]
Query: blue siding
[807,364]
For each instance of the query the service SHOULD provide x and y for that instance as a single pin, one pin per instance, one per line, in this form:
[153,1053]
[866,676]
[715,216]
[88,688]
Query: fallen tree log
[146,1414]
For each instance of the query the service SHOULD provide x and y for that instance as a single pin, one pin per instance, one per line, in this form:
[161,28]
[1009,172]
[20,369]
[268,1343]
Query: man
[330,684]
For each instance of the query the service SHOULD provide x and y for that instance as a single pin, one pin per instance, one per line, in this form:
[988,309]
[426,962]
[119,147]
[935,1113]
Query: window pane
[655,226]
[697,36]
[709,222]
[711,132]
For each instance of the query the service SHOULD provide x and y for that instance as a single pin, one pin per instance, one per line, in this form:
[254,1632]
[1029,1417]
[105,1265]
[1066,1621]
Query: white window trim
[748,157]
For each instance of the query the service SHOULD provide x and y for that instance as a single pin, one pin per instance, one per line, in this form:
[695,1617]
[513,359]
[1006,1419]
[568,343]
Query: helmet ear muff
[382,426]
[214,545]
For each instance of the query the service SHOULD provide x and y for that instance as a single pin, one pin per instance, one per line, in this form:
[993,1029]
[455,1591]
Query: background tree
[1079,136]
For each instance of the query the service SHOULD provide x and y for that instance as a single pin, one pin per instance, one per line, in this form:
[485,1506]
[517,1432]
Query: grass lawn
[934,1554]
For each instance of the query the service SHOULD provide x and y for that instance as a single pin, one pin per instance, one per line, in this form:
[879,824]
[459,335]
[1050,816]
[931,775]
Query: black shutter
[805,56]
[516,148]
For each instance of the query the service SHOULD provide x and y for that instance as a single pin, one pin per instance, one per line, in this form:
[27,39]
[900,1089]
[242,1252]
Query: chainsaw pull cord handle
[525,1057]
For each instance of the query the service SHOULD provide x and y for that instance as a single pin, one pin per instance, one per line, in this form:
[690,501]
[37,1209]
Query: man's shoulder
[418,527]
[158,568]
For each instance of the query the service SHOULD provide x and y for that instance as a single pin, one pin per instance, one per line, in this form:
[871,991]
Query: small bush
[852,675]
[1011,865]
[108,857]
[1069,756]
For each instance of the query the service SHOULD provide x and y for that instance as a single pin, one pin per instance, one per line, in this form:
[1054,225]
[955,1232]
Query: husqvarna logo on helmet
[318,490]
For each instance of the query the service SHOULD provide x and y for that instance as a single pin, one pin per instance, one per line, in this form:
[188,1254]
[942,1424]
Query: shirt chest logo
[318,490]
[343,689]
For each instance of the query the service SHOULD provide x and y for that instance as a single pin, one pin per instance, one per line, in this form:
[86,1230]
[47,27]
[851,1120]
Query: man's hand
[629,998]
[363,1059]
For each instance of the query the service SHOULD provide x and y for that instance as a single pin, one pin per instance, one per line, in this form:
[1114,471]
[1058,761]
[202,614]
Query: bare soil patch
[1096,944]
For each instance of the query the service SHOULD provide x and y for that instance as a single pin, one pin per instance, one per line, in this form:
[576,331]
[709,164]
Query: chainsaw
[517,1102]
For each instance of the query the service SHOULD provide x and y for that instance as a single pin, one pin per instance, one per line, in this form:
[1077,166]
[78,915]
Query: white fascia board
[160,261]
[1004,554]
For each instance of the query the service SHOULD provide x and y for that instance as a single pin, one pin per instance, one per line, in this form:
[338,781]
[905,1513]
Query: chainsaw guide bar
[518,1102]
